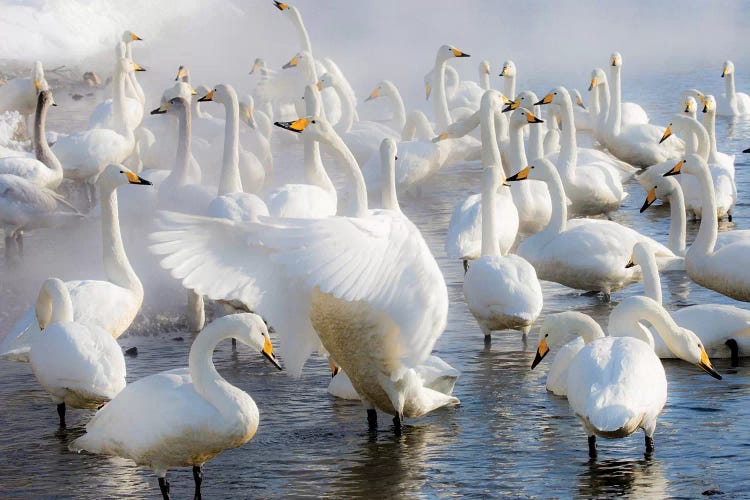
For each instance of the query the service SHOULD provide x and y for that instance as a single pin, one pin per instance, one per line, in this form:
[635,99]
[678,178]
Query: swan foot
[198,478]
[592,446]
[164,487]
[466,266]
[487,340]
[398,424]
[61,414]
[19,243]
[735,352]
[606,296]
[372,419]
[649,445]
[729,217]
[234,344]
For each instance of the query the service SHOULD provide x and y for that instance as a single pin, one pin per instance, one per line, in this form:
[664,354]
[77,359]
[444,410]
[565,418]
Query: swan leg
[196,314]
[61,414]
[19,243]
[607,296]
[164,487]
[649,444]
[398,424]
[466,266]
[372,419]
[735,350]
[91,195]
[198,478]
[9,244]
[592,446]
[487,335]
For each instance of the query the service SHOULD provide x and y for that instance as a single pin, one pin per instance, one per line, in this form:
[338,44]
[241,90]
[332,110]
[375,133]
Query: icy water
[509,437]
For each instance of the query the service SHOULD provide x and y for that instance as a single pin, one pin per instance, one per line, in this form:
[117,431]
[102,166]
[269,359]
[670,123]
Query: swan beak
[458,53]
[523,174]
[37,85]
[292,63]
[506,184]
[546,100]
[532,119]
[506,100]
[254,68]
[706,365]
[280,6]
[504,71]
[723,72]
[512,105]
[136,67]
[269,355]
[706,107]
[486,70]
[676,169]
[580,102]
[319,85]
[541,352]
[161,109]
[180,73]
[207,97]
[334,369]
[136,38]
[295,126]
[630,263]
[614,61]
[193,91]
[650,198]
[441,137]
[592,84]
[373,94]
[666,135]
[133,178]
[688,108]
[427,91]
[746,150]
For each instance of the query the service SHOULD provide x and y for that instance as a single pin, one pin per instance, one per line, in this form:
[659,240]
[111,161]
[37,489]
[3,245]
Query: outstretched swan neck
[558,219]
[315,173]
[53,304]
[568,145]
[399,111]
[358,192]
[230,181]
[730,91]
[490,152]
[116,264]
[41,148]
[614,119]
[440,103]
[491,181]
[705,241]
[347,106]
[678,221]
[388,176]
[304,37]
[518,158]
[179,175]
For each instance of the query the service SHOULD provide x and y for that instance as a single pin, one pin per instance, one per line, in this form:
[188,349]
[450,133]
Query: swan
[435,373]
[556,252]
[594,187]
[468,95]
[509,73]
[110,304]
[103,115]
[713,268]
[258,140]
[722,328]
[20,94]
[182,417]
[350,279]
[45,170]
[85,154]
[501,291]
[388,89]
[79,365]
[616,385]
[581,116]
[715,157]
[317,198]
[632,113]
[464,238]
[731,102]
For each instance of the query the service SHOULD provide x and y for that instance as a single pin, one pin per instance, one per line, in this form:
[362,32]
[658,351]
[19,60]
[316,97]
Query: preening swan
[79,365]
[731,102]
[182,417]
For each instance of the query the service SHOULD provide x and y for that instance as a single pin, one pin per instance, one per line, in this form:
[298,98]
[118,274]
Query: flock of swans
[331,274]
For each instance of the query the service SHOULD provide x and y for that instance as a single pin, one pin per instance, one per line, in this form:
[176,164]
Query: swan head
[258,65]
[509,69]
[615,59]
[313,126]
[51,303]
[693,164]
[484,67]
[126,66]
[690,106]
[247,106]
[641,254]
[183,74]
[280,5]
[179,89]
[326,80]
[598,77]
[222,93]
[37,76]
[709,104]
[558,329]
[251,330]
[727,69]
[45,99]
[578,98]
[677,124]
[427,85]
[174,105]
[115,175]
[558,95]
[523,116]
[129,37]
[376,92]
[695,94]
[540,169]
[687,345]
[525,99]
[446,52]
[299,58]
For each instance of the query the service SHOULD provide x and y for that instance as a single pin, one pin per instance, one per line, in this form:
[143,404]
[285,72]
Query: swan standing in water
[110,304]
[351,279]
[182,417]
[732,103]
[616,385]
[79,365]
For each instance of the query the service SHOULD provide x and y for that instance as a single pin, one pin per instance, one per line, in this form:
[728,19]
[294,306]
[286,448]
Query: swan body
[79,365]
[182,417]
[731,102]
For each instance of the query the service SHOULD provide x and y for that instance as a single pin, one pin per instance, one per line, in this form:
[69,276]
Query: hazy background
[552,43]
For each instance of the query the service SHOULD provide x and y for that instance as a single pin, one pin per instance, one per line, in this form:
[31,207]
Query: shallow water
[508,437]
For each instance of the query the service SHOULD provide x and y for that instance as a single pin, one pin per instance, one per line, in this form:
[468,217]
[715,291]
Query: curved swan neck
[568,145]
[230,181]
[118,101]
[709,228]
[729,86]
[399,110]
[615,110]
[347,110]
[53,304]
[677,222]
[558,219]
[417,127]
[491,180]
[358,190]
[179,174]
[440,103]
[709,123]
[116,264]
[42,150]
[694,127]
[302,32]
[651,280]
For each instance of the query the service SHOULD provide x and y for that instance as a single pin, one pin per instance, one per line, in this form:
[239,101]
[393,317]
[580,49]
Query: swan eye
[532,166]
[312,121]
[555,93]
[122,172]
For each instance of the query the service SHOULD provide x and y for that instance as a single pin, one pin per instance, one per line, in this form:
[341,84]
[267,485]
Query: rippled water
[508,437]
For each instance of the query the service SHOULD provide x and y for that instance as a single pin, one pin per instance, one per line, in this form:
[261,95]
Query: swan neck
[568,143]
[509,86]
[388,184]
[116,264]
[440,103]
[179,175]
[303,36]
[484,81]
[558,219]
[358,191]
[709,228]
[615,104]
[347,110]
[536,139]
[399,110]
[118,102]
[591,331]
[518,158]
[42,150]
[230,181]
[54,305]
[677,222]
[651,280]
[315,173]
[730,91]
[490,152]
[491,181]
[709,123]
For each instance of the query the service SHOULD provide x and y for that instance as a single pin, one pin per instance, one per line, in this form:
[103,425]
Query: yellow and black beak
[519,176]
[666,135]
[319,85]
[207,97]
[545,100]
[133,178]
[441,137]
[269,355]
[374,94]
[592,84]
[280,5]
[136,38]
[688,108]
[193,91]
[292,63]
[504,71]
[705,364]
[706,107]
[541,352]
[335,370]
[676,169]
[511,105]
[427,91]
[650,199]
[136,67]
[295,126]
[37,85]
[458,53]
[180,73]
[532,119]
[161,109]
[614,61]
[724,72]
[630,263]
[579,101]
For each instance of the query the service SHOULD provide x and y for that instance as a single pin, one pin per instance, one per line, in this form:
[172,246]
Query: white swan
[79,365]
[509,74]
[556,251]
[715,157]
[632,113]
[616,385]
[713,268]
[20,94]
[110,304]
[593,187]
[464,238]
[387,89]
[731,102]
[45,170]
[182,417]
[316,198]
[345,277]
[103,115]
[501,291]
[581,116]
